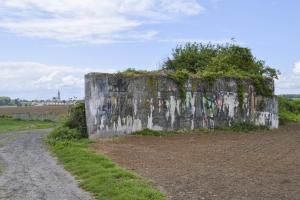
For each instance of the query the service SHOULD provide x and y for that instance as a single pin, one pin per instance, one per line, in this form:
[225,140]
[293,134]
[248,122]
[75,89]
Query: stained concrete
[117,104]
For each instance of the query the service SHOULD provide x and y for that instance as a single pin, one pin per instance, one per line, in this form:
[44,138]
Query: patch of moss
[195,85]
[240,94]
[209,83]
[146,104]
[180,78]
[131,72]
[152,85]
[260,83]
[1,169]
[261,105]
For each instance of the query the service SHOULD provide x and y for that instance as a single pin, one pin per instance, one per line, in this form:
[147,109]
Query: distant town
[56,100]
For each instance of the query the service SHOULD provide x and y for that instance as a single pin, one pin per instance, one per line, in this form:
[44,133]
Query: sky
[47,46]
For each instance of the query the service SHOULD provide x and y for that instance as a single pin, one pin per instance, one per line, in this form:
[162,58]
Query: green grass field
[289,110]
[99,175]
[296,99]
[9,124]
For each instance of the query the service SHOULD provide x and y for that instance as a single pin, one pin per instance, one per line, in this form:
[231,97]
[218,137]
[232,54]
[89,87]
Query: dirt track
[31,173]
[263,165]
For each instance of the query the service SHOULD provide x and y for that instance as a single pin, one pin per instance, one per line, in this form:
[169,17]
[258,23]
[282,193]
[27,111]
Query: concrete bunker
[118,104]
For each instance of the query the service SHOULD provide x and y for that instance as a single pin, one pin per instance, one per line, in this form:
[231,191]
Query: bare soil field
[35,112]
[258,165]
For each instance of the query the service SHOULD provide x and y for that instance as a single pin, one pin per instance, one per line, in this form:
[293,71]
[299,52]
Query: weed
[180,78]
[148,132]
[246,127]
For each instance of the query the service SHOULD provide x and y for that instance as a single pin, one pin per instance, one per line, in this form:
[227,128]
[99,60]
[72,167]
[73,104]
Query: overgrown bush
[195,57]
[73,127]
[228,60]
[76,119]
[63,133]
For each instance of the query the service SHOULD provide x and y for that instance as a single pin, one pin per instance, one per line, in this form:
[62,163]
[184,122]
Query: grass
[236,127]
[287,116]
[148,132]
[99,175]
[289,110]
[243,127]
[296,99]
[9,124]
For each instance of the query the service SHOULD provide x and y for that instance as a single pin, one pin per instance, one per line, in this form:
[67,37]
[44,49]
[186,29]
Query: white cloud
[39,80]
[92,21]
[198,40]
[289,83]
[296,69]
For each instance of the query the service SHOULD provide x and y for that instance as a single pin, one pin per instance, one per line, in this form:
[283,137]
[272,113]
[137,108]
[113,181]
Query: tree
[220,59]
[192,57]
[5,101]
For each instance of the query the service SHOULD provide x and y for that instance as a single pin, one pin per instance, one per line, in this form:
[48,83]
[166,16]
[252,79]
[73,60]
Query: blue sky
[50,46]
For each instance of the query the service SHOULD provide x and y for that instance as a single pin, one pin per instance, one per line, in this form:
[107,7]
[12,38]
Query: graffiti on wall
[111,110]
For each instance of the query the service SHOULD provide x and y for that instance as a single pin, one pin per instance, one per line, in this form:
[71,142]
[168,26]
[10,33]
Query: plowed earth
[258,165]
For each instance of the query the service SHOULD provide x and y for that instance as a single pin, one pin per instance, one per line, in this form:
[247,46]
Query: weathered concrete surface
[117,104]
[30,173]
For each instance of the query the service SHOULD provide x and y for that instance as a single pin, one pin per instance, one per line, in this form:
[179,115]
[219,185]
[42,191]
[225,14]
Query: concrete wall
[117,104]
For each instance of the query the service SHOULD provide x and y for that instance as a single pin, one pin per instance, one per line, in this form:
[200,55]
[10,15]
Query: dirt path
[258,166]
[31,173]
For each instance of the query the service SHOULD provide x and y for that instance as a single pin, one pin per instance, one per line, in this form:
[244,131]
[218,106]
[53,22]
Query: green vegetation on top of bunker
[8,124]
[209,62]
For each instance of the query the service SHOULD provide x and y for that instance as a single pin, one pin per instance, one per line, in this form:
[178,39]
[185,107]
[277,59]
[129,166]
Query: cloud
[296,69]
[289,83]
[198,40]
[30,79]
[91,21]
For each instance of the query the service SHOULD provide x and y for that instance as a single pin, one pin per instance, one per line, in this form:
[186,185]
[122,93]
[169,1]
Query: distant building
[58,96]
[55,101]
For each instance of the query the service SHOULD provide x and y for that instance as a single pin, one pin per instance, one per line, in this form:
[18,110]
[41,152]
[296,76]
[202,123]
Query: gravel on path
[31,173]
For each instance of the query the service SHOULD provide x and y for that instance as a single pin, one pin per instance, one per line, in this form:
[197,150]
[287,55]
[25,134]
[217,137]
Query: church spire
[58,95]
